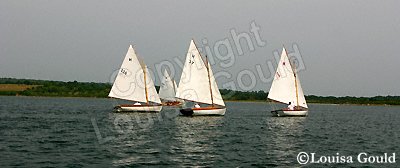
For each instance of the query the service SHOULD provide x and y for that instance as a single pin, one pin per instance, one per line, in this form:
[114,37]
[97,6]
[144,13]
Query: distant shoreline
[238,101]
[45,88]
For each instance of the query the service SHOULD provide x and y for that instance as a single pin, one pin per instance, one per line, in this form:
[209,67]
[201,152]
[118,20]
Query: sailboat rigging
[129,85]
[198,85]
[209,82]
[168,91]
[286,89]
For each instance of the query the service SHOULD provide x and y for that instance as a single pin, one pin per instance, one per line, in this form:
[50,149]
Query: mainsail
[283,87]
[195,81]
[129,83]
[167,88]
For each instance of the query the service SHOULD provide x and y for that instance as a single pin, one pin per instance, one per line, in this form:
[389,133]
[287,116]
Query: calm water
[83,132]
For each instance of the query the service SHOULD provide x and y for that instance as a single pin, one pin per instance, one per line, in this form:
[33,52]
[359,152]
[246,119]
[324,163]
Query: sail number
[124,71]
[190,60]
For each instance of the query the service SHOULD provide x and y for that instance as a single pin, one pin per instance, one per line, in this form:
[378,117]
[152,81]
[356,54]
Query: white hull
[140,108]
[289,113]
[220,111]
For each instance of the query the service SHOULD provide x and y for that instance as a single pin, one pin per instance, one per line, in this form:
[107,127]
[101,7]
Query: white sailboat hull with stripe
[137,108]
[217,111]
[289,113]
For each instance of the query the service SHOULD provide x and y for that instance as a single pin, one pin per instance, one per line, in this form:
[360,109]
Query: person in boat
[196,105]
[290,106]
[137,104]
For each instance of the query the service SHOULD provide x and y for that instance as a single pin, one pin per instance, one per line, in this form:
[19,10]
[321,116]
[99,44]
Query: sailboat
[133,83]
[198,85]
[168,91]
[286,89]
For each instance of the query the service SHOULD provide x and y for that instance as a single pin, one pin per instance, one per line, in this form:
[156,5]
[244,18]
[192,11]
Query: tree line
[58,88]
[92,89]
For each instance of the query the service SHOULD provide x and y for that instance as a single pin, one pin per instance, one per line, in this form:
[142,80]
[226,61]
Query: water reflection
[63,132]
[197,138]
[286,139]
[134,141]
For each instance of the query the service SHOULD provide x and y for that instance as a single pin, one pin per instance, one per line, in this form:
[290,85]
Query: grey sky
[348,47]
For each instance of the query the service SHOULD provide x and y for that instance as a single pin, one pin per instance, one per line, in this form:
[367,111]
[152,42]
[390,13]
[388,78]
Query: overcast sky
[347,47]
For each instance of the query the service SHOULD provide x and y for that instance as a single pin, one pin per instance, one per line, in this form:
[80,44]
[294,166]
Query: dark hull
[186,111]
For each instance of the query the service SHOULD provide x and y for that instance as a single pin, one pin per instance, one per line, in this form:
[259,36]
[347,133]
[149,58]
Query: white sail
[176,88]
[217,97]
[151,89]
[167,88]
[283,88]
[302,99]
[125,85]
[194,84]
[129,82]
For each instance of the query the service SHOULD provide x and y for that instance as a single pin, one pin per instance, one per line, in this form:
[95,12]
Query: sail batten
[198,84]
[283,88]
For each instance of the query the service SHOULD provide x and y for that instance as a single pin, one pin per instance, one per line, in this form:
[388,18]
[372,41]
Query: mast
[208,74]
[209,82]
[145,84]
[295,79]
[174,84]
[295,83]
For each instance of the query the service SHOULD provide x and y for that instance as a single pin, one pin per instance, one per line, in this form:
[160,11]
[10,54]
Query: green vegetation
[56,88]
[29,87]
[377,100]
[232,95]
